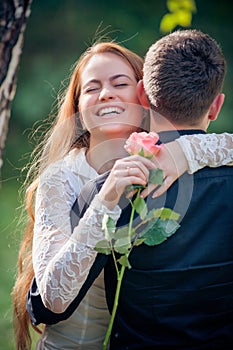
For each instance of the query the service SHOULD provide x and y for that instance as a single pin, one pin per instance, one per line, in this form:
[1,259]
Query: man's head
[183,76]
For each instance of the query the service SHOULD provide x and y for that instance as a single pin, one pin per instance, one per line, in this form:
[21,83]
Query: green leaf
[168,227]
[167,213]
[163,214]
[108,226]
[180,14]
[174,5]
[122,245]
[168,23]
[138,241]
[122,232]
[103,247]
[124,261]
[141,152]
[154,237]
[140,207]
[157,232]
[152,214]
[156,176]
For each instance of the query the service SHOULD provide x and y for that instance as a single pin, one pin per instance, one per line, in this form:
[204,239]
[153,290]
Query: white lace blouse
[62,258]
[210,150]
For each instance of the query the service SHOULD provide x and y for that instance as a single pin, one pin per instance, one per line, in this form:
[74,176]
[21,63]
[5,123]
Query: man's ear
[142,95]
[216,107]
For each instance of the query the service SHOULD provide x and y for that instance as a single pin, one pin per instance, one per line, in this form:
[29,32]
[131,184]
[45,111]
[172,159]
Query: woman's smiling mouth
[110,111]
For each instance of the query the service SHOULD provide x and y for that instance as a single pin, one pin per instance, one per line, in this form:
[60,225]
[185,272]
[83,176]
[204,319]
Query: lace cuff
[211,150]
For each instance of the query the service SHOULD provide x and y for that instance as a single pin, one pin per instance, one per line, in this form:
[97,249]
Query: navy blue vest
[179,295]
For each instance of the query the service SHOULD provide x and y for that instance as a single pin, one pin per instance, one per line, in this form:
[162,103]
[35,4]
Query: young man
[179,295]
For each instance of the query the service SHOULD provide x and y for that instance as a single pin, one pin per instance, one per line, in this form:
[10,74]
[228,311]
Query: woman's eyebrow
[120,76]
[95,81]
[114,77]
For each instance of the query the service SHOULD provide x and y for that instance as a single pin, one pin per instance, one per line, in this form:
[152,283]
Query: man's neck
[171,135]
[160,124]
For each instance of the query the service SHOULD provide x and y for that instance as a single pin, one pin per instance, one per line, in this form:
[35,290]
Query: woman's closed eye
[121,84]
[92,89]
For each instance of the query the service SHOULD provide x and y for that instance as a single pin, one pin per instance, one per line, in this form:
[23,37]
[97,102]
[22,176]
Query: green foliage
[122,232]
[108,227]
[103,247]
[8,255]
[140,207]
[156,176]
[122,245]
[164,214]
[157,232]
[124,261]
[160,224]
[181,12]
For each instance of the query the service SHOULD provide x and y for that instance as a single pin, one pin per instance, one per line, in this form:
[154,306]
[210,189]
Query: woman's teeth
[110,110]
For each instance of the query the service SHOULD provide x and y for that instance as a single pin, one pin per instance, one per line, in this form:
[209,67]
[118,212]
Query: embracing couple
[177,295]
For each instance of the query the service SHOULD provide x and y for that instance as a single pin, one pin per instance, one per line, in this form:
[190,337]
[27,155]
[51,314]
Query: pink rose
[143,143]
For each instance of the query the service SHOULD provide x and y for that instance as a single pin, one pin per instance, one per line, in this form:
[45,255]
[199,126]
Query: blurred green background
[57,33]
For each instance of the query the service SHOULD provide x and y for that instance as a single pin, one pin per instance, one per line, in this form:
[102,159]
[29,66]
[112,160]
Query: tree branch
[13,17]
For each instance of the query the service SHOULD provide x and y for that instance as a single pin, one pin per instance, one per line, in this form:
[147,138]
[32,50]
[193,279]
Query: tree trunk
[13,17]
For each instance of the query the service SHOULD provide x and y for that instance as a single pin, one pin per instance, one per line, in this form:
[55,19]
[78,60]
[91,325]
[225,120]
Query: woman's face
[108,102]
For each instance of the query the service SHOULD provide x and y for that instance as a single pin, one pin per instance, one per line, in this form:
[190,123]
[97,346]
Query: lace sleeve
[62,258]
[211,150]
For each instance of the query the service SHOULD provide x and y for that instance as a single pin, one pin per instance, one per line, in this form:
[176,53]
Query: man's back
[179,295]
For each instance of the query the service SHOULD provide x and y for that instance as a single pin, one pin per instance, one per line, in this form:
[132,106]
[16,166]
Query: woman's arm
[62,258]
[191,153]
[211,150]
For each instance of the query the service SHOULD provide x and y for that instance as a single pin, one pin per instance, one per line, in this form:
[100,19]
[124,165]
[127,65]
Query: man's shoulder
[214,172]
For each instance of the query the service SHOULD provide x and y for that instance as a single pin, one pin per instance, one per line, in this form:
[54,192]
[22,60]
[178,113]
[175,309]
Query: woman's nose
[106,93]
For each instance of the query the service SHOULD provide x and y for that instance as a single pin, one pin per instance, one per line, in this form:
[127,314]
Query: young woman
[101,97]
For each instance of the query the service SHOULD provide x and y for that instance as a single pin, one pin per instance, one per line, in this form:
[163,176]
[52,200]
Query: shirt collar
[171,135]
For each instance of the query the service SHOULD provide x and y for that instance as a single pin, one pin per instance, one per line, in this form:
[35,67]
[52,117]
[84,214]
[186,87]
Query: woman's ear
[143,99]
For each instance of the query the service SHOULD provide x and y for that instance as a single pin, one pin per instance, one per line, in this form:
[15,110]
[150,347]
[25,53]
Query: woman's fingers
[168,181]
[122,175]
[135,171]
[135,165]
[128,171]
[159,189]
[150,187]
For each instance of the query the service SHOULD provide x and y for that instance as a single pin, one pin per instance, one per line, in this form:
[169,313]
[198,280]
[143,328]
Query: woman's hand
[172,161]
[131,170]
[135,170]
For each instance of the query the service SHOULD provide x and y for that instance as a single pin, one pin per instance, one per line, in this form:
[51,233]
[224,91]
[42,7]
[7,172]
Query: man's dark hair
[183,73]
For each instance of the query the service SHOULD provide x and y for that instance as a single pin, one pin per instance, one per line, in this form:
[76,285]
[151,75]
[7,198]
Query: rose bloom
[143,143]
